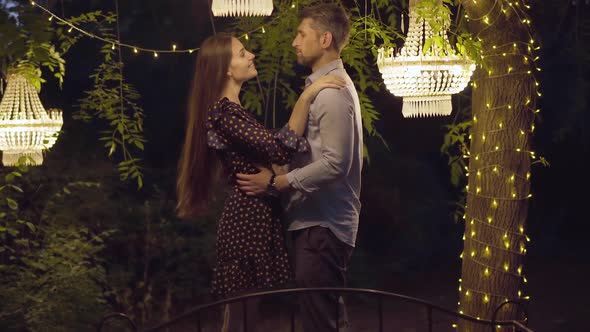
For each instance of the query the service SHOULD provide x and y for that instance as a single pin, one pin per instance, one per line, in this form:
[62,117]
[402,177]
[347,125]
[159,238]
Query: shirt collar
[325,69]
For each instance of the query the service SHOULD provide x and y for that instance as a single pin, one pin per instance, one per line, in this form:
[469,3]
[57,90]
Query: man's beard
[307,61]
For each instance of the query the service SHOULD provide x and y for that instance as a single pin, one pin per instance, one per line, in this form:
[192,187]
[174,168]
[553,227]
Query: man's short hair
[330,17]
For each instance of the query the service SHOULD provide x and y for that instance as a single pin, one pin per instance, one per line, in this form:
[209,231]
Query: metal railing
[195,312]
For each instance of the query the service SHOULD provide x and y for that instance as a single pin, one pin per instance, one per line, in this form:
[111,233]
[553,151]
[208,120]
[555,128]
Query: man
[323,186]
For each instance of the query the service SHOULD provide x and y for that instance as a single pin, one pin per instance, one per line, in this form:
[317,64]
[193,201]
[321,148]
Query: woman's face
[241,67]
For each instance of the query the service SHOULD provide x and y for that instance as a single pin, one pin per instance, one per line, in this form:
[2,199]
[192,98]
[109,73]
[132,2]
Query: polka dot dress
[251,252]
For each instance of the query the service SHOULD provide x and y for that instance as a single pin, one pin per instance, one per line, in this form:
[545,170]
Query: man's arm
[335,114]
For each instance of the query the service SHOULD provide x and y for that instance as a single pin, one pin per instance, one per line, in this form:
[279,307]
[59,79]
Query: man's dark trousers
[321,260]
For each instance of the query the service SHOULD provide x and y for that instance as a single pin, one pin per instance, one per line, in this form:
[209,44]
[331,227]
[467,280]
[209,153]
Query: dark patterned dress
[251,252]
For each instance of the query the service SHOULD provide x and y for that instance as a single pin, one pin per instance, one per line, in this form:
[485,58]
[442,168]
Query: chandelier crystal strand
[26,129]
[426,81]
[242,7]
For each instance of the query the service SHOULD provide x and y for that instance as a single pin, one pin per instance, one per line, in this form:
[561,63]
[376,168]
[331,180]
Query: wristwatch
[271,189]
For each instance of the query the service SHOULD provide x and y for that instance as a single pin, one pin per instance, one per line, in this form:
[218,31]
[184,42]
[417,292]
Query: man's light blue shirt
[327,181]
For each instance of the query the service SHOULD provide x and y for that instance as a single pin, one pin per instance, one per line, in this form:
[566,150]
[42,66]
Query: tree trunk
[504,98]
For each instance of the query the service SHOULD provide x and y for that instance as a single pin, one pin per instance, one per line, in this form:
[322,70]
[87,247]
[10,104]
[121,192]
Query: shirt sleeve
[335,115]
[230,126]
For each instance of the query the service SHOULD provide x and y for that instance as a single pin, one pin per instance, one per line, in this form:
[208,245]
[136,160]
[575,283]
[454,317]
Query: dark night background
[408,242]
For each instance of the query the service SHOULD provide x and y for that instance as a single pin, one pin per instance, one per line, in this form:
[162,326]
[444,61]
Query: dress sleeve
[228,125]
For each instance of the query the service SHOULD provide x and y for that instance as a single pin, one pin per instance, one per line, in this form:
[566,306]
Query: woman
[251,253]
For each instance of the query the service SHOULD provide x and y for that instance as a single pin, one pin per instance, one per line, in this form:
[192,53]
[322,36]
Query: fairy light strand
[134,48]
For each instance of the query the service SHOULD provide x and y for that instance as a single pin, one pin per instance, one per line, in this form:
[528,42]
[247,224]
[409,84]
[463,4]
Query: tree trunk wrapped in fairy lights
[498,191]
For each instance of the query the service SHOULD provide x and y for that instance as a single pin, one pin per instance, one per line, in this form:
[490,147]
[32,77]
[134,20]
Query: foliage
[26,44]
[158,264]
[50,269]
[113,100]
[438,16]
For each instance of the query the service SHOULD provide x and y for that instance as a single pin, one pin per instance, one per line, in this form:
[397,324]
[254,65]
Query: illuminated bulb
[50,18]
[173,47]
[263,31]
[489,220]
[486,299]
[155,54]
[135,50]
[477,190]
[472,233]
[506,267]
[494,204]
[473,253]
[486,272]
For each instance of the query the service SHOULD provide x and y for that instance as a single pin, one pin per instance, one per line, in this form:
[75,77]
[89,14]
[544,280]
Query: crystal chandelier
[426,81]
[241,7]
[26,129]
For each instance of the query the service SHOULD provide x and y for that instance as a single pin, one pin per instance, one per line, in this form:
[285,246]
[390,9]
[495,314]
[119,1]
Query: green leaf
[12,204]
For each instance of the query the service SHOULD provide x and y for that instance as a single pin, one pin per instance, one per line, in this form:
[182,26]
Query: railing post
[198,321]
[293,315]
[337,313]
[245,315]
[380,313]
[429,314]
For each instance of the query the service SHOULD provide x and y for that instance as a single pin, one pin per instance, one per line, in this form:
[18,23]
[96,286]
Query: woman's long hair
[199,168]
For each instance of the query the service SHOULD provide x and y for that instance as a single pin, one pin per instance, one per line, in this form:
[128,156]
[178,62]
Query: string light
[135,49]
[504,237]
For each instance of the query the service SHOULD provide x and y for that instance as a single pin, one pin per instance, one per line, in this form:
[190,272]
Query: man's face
[307,43]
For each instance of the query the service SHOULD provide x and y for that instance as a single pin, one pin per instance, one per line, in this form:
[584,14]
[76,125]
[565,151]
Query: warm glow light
[26,128]
[242,7]
[425,80]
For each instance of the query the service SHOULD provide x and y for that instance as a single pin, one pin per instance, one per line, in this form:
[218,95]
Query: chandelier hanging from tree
[26,128]
[242,7]
[425,77]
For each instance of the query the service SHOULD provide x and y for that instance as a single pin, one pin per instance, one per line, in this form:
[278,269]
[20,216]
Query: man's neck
[324,60]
